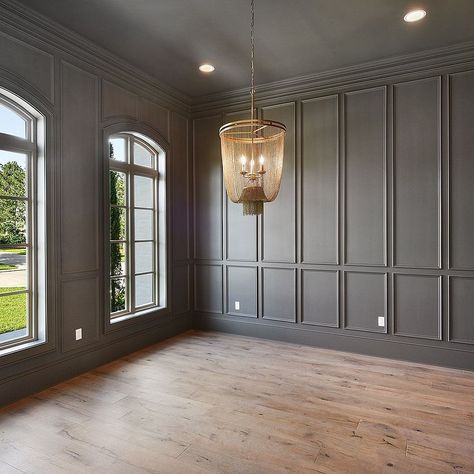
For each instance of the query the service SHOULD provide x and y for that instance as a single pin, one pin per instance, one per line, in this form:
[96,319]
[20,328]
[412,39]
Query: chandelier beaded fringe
[252,153]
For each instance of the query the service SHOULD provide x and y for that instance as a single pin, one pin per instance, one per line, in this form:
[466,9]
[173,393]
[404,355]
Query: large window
[136,224]
[19,321]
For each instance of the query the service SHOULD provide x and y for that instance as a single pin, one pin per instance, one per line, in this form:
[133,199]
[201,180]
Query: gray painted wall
[82,91]
[374,218]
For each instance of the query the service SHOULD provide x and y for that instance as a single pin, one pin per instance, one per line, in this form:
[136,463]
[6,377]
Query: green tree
[12,211]
[117,231]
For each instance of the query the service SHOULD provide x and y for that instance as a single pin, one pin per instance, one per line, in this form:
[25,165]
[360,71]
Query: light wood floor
[209,402]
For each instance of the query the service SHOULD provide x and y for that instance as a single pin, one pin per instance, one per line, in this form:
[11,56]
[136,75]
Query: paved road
[16,277]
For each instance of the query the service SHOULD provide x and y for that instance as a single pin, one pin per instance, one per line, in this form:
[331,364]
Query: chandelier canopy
[252,153]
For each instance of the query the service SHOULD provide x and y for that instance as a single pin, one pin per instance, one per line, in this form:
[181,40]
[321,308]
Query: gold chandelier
[252,153]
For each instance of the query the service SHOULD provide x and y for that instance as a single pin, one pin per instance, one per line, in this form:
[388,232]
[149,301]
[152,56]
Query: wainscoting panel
[80,309]
[118,103]
[417,306]
[461,309]
[181,288]
[279,225]
[242,287]
[279,294]
[241,234]
[320,297]
[208,285]
[156,116]
[365,300]
[208,188]
[319,180]
[365,177]
[417,173]
[181,180]
[80,238]
[373,219]
[241,231]
[29,63]
[462,170]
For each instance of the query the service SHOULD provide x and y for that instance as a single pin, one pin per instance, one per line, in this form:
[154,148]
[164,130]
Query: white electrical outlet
[78,334]
[381,320]
[237,305]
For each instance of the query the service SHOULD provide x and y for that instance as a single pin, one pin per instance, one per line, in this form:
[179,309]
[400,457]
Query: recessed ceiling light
[414,15]
[206,68]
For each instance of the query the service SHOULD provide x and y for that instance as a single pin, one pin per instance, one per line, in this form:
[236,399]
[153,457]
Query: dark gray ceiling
[170,38]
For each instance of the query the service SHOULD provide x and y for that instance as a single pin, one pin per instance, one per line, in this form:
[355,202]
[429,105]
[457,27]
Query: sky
[12,124]
[6,156]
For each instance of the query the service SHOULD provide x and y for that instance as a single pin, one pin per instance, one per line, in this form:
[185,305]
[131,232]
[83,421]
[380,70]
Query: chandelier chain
[252,55]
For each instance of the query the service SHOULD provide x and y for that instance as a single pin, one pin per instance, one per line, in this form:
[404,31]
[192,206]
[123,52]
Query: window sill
[134,319]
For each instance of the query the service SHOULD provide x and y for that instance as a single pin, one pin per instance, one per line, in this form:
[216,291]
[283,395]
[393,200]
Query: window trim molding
[44,151]
[147,315]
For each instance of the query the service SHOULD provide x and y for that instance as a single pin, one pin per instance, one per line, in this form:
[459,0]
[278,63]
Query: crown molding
[41,28]
[400,66]
[35,25]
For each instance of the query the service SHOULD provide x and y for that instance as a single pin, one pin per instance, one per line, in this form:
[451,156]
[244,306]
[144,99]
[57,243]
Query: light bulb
[206,68]
[243,160]
[262,159]
[414,15]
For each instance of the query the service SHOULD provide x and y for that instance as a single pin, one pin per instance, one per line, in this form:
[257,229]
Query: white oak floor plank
[217,403]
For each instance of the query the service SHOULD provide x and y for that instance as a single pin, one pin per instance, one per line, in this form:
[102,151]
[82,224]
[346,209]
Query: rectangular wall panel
[208,188]
[417,306]
[241,230]
[80,204]
[365,300]
[241,234]
[279,294]
[31,64]
[208,288]
[155,115]
[180,175]
[242,288]
[181,289]
[279,216]
[461,312]
[416,173]
[320,297]
[80,309]
[319,180]
[462,170]
[365,177]
[118,102]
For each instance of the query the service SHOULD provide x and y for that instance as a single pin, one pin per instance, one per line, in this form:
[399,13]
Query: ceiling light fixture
[414,15]
[206,68]
[252,152]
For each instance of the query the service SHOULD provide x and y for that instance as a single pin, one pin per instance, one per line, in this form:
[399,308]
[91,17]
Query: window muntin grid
[134,256]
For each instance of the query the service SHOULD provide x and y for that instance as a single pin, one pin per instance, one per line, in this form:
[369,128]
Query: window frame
[153,142]
[27,146]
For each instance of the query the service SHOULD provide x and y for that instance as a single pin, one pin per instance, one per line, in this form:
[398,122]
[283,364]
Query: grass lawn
[15,251]
[12,310]
[6,266]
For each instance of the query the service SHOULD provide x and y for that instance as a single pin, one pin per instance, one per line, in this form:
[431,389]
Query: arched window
[19,223]
[137,253]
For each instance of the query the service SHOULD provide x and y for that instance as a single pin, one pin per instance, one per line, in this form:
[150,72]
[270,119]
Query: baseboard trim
[64,369]
[400,350]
